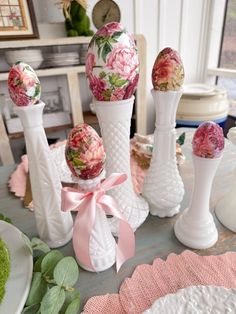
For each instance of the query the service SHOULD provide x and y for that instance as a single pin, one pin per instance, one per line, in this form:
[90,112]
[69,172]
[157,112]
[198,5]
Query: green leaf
[52,301]
[66,272]
[32,309]
[27,243]
[116,34]
[50,261]
[181,139]
[106,49]
[38,262]
[37,290]
[38,244]
[6,219]
[120,83]
[102,74]
[74,306]
[113,78]
[70,296]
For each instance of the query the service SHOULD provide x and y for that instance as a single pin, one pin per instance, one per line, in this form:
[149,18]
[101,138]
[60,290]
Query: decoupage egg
[208,140]
[85,155]
[168,71]
[23,85]
[112,65]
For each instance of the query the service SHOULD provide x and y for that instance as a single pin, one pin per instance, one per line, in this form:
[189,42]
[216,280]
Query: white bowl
[33,57]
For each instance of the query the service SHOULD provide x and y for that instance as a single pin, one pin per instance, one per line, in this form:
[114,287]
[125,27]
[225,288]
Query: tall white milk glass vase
[163,186]
[195,227]
[114,119]
[102,245]
[225,208]
[53,226]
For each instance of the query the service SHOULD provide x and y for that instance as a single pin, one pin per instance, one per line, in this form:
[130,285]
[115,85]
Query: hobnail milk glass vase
[195,228]
[225,208]
[102,245]
[54,226]
[163,186]
[114,119]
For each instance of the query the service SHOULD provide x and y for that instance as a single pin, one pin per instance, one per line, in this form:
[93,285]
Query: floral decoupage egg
[208,140]
[112,65]
[168,71]
[23,85]
[85,155]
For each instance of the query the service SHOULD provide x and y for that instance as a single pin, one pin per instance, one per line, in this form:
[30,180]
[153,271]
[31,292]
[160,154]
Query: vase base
[225,213]
[194,234]
[101,264]
[135,213]
[163,212]
[60,242]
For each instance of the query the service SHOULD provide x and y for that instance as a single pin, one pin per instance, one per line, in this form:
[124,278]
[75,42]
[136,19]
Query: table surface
[155,238]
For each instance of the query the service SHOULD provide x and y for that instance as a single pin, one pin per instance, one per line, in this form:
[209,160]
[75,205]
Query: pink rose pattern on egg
[23,85]
[168,71]
[84,152]
[112,65]
[208,140]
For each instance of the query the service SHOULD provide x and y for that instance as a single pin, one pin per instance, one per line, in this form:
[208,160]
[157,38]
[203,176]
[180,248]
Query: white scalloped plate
[21,267]
[196,300]
[199,90]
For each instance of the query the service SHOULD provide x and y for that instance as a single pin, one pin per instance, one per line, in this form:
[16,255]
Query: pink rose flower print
[168,71]
[97,86]
[117,94]
[23,85]
[90,63]
[124,61]
[109,29]
[208,140]
[84,152]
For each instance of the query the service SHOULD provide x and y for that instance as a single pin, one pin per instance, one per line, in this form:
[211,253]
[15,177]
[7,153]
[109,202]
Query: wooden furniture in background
[72,75]
[5,148]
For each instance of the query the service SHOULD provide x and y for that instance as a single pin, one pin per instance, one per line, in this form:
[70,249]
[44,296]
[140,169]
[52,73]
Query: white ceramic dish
[196,300]
[21,267]
[198,90]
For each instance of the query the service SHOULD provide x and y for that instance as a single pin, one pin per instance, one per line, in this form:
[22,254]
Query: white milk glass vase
[226,207]
[102,245]
[114,119]
[54,226]
[163,186]
[195,227]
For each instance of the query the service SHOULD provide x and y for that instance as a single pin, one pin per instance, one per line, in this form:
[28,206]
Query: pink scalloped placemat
[150,282]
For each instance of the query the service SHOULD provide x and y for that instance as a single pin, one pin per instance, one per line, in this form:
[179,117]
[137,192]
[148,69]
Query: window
[228,50]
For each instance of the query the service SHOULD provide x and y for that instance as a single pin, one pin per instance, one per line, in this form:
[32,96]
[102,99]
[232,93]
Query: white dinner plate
[196,300]
[199,90]
[21,267]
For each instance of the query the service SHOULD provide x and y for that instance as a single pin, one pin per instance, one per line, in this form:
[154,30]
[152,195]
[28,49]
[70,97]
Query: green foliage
[181,139]
[54,276]
[78,24]
[6,219]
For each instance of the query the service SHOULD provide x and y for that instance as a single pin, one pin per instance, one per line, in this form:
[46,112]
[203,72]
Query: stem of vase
[195,227]
[163,186]
[53,226]
[114,119]
[102,245]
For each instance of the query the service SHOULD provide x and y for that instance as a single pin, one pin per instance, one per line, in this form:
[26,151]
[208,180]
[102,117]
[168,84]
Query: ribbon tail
[126,241]
[125,245]
[82,231]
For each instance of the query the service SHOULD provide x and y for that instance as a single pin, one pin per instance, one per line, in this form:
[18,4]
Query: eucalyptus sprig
[54,276]
[6,219]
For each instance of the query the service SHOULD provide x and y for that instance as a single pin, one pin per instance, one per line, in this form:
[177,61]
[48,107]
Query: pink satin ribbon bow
[85,203]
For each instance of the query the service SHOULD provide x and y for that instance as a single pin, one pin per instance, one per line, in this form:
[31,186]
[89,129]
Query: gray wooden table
[155,238]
